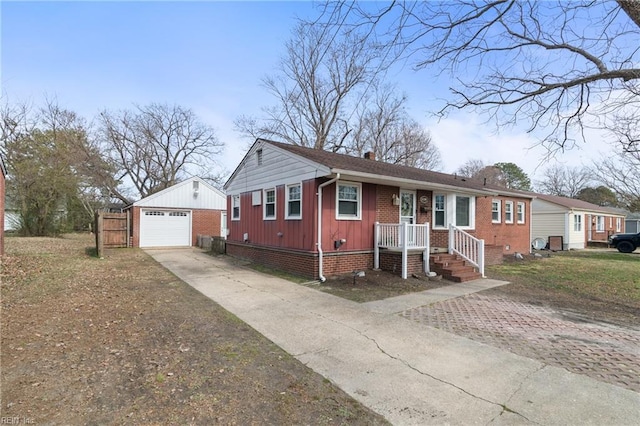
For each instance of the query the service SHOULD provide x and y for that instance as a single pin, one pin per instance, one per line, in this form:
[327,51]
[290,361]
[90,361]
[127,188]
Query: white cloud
[466,137]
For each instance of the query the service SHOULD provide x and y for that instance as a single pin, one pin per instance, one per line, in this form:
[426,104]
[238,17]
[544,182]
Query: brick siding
[391,261]
[301,263]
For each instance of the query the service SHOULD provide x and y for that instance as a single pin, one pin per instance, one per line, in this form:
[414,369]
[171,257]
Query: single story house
[315,214]
[176,215]
[577,222]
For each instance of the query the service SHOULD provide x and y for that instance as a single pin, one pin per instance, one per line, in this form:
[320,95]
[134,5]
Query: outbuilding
[176,215]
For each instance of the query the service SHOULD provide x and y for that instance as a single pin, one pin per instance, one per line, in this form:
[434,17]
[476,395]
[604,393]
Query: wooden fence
[112,231]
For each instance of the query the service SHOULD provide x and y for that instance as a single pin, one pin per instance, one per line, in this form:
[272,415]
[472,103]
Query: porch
[465,259]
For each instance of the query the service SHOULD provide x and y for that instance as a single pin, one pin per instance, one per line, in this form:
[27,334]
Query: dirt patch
[375,285]
[122,340]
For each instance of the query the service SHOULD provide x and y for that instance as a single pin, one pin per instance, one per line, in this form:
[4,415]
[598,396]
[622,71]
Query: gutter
[397,181]
[319,243]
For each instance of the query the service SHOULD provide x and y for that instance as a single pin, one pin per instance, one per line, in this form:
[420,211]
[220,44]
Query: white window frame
[577,223]
[508,212]
[358,215]
[443,209]
[520,212]
[618,224]
[599,223]
[472,209]
[450,200]
[287,213]
[267,203]
[235,202]
[498,204]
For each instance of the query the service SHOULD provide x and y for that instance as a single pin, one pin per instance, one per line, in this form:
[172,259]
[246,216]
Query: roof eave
[396,181]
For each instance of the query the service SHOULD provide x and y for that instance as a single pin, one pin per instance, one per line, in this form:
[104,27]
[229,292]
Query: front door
[408,211]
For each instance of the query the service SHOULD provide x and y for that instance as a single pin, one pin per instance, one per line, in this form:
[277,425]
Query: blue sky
[207,56]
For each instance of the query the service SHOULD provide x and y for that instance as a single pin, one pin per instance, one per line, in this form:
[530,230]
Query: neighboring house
[3,174]
[315,213]
[632,223]
[175,216]
[575,221]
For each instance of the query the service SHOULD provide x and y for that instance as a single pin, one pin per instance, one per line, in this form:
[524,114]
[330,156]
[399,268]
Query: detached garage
[175,216]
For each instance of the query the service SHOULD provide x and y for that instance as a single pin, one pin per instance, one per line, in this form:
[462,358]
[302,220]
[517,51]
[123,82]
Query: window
[577,223]
[439,211]
[463,211]
[294,201]
[181,214]
[348,201]
[455,209]
[259,157]
[153,213]
[618,224]
[495,211]
[610,222]
[599,223]
[508,212]
[269,204]
[520,212]
[235,207]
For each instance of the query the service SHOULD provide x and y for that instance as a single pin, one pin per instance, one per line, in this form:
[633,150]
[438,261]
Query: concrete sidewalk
[409,373]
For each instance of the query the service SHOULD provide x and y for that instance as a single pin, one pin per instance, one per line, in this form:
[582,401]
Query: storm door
[408,212]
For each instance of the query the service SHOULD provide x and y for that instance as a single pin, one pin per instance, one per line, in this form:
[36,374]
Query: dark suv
[625,243]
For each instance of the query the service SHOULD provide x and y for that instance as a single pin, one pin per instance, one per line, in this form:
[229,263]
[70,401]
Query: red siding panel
[296,234]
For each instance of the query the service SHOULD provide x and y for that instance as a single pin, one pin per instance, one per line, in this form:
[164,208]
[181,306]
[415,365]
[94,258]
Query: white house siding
[544,225]
[541,206]
[184,196]
[576,238]
[278,167]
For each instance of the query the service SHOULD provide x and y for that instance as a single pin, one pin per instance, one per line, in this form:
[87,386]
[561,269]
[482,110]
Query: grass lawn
[607,276]
[120,340]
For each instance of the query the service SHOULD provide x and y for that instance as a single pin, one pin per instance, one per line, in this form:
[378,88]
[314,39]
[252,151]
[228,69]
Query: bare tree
[315,89]
[559,66]
[621,173]
[564,181]
[384,128]
[155,146]
[471,168]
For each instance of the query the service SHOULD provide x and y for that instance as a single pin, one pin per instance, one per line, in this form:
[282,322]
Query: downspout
[319,243]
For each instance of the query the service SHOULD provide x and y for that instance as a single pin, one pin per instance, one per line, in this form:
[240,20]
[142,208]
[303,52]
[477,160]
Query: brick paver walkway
[601,351]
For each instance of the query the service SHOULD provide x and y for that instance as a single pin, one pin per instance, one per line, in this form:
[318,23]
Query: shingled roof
[574,204]
[342,163]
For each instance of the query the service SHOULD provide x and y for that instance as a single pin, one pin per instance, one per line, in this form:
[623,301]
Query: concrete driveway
[408,372]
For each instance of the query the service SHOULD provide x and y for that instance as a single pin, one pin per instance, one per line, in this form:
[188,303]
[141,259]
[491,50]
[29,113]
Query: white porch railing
[467,246]
[404,237]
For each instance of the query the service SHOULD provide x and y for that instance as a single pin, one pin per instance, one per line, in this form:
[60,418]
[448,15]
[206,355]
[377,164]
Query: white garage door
[165,228]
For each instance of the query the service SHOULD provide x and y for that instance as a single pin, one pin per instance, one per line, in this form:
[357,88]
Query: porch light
[395,200]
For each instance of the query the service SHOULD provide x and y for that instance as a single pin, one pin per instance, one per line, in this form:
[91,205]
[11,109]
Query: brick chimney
[370,156]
